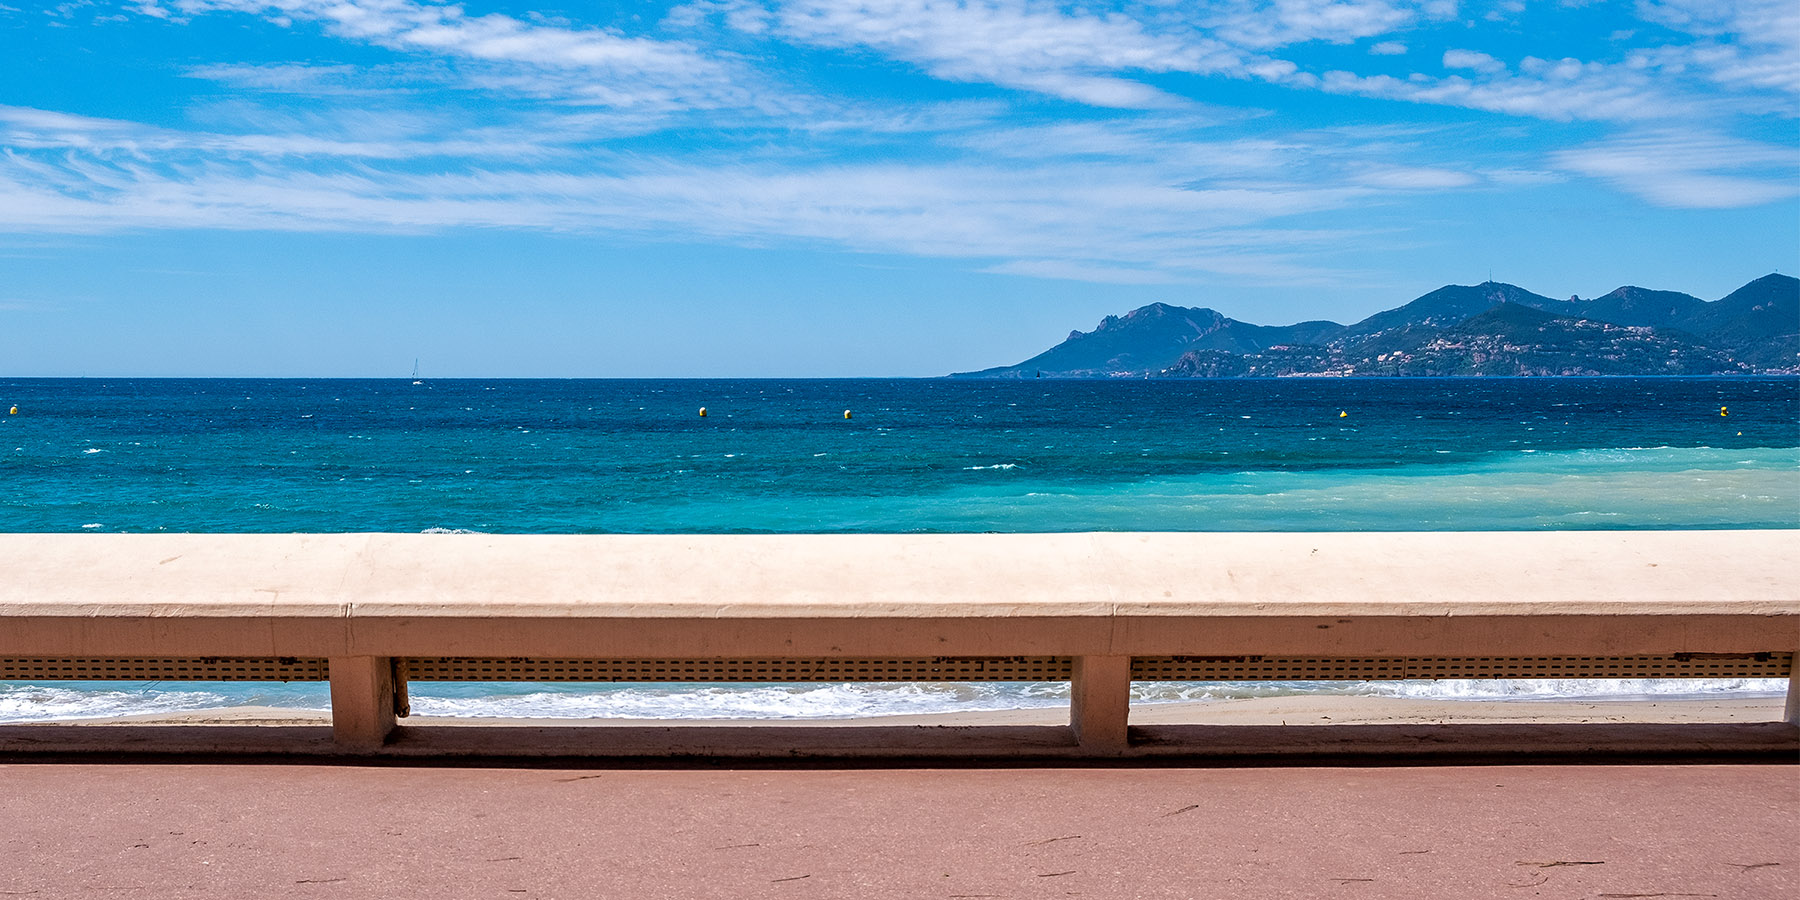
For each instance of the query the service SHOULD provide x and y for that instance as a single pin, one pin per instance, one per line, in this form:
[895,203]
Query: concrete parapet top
[1734,573]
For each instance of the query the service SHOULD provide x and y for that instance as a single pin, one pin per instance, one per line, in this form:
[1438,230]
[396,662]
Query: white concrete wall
[363,599]
[815,595]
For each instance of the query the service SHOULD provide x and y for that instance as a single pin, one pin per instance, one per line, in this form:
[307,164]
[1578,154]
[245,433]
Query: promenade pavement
[192,830]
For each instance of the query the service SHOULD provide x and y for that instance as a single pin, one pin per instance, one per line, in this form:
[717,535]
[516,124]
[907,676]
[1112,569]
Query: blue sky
[848,187]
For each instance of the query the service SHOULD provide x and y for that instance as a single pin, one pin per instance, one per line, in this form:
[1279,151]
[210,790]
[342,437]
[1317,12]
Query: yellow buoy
[1343,415]
[702,412]
[1722,411]
[13,412]
[846,414]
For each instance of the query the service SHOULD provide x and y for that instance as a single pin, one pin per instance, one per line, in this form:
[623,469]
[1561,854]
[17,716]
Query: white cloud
[1546,89]
[1094,56]
[594,64]
[1704,16]
[369,136]
[67,10]
[1689,171]
[1091,57]
[1745,42]
[1416,179]
[1127,197]
[1131,201]
[953,211]
[1064,270]
[747,16]
[1470,59]
[1521,177]
[322,80]
[1265,24]
[1167,143]
[1034,46]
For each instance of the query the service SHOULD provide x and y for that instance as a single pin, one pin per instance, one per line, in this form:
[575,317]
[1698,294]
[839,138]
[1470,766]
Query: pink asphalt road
[333,831]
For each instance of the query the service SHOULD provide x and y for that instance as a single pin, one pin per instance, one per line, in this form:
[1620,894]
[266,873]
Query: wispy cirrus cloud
[681,127]
[1558,90]
[1106,58]
[1753,43]
[1034,46]
[1147,204]
[1267,24]
[321,80]
[1416,178]
[596,65]
[1069,50]
[1065,270]
[1095,56]
[1685,170]
[402,137]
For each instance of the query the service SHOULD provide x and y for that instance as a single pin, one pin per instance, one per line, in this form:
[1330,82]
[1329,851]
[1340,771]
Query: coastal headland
[1490,329]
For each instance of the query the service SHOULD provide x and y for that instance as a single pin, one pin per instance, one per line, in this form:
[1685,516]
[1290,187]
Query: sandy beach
[1295,710]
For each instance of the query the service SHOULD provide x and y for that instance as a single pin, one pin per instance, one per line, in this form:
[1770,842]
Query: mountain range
[1484,329]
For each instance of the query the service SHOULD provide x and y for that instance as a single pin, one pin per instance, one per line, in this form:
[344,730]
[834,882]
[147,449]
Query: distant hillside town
[1485,329]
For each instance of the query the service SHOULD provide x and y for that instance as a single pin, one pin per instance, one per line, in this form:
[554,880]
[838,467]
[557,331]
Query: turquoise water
[778,456]
[219,455]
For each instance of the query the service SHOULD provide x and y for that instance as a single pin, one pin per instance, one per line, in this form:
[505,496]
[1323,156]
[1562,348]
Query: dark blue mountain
[1503,329]
[1152,338]
[1447,306]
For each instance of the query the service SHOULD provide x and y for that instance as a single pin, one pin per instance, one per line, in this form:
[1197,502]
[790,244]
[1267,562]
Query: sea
[740,456]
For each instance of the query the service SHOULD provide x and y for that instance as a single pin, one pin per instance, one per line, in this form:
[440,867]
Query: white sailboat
[416,372]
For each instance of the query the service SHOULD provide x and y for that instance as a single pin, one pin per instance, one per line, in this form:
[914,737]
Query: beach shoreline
[1307,710]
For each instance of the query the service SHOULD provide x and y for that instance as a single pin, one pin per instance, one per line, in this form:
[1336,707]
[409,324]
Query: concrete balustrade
[1104,605]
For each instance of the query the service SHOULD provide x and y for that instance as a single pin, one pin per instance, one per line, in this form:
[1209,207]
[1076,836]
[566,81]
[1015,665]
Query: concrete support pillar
[364,700]
[1793,695]
[1100,703]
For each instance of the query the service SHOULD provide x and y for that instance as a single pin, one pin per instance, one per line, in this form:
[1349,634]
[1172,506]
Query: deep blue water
[138,455]
[917,455]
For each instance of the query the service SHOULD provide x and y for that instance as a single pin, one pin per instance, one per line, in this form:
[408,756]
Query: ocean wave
[46,701]
[1585,689]
[1578,688]
[734,701]
[42,702]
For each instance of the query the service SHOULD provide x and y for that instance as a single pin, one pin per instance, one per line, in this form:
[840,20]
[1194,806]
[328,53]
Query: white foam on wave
[1584,689]
[736,701]
[42,702]
[994,466]
[451,531]
[29,702]
[1579,688]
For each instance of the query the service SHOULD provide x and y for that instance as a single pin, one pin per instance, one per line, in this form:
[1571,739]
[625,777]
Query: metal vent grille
[1310,668]
[1012,668]
[210,668]
[1016,668]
